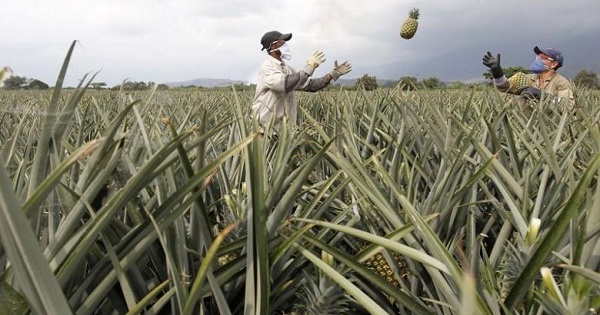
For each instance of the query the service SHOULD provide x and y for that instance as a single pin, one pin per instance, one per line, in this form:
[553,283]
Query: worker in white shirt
[274,98]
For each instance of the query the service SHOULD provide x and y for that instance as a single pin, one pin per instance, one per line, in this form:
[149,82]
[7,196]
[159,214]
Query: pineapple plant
[519,80]
[152,245]
[321,296]
[409,26]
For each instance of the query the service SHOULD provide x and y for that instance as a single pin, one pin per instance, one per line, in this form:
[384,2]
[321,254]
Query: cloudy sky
[178,40]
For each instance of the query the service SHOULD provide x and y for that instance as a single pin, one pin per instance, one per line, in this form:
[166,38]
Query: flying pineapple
[409,26]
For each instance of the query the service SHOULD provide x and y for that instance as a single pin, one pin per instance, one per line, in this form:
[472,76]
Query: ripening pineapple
[409,26]
[519,80]
[380,265]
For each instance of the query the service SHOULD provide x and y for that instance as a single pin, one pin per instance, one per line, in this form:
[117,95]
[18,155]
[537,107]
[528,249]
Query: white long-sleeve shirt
[274,91]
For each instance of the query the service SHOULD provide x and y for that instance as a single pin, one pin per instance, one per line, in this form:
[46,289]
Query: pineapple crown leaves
[414,13]
[321,296]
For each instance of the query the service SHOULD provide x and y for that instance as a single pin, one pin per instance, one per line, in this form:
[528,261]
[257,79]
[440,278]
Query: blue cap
[552,53]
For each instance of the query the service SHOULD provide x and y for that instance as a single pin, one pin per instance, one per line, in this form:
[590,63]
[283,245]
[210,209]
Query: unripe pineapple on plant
[409,26]
[380,265]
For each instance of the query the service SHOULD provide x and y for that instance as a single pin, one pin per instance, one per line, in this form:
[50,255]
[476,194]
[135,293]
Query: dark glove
[494,64]
[531,93]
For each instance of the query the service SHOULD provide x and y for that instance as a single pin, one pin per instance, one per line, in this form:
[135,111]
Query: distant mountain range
[205,82]
[211,83]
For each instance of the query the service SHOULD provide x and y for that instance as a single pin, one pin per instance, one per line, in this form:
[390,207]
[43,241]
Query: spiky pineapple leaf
[11,302]
[550,240]
[587,273]
[31,269]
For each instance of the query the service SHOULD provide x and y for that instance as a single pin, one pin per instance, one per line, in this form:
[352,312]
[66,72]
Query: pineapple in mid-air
[409,26]
[519,80]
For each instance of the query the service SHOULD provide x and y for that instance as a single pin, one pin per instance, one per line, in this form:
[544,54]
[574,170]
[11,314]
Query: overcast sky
[178,40]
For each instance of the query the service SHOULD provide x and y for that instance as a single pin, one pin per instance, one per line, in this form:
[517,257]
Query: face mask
[286,52]
[538,66]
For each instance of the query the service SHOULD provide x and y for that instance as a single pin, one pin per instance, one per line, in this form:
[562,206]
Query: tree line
[584,78]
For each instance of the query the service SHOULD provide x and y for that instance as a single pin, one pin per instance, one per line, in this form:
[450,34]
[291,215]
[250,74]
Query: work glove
[531,93]
[340,69]
[315,60]
[494,64]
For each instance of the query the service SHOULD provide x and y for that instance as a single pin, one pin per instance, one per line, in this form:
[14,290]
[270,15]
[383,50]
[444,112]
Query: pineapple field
[379,202]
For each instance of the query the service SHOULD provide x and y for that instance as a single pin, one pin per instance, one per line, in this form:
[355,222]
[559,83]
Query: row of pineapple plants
[383,202]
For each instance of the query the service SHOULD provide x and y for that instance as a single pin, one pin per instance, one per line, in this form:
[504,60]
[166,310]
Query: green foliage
[432,83]
[587,78]
[133,86]
[14,82]
[243,87]
[407,83]
[120,203]
[98,85]
[11,302]
[22,83]
[431,173]
[322,296]
[369,83]
[37,85]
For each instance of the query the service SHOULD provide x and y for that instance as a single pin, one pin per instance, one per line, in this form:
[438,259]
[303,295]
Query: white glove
[340,69]
[315,60]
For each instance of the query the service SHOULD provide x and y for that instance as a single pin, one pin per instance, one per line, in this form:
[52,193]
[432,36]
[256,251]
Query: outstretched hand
[490,61]
[494,64]
[316,59]
[340,69]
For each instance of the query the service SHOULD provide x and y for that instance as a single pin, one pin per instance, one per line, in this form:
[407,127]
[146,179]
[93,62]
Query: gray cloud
[165,41]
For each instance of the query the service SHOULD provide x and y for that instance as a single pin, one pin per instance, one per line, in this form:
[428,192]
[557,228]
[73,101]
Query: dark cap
[272,36]
[552,53]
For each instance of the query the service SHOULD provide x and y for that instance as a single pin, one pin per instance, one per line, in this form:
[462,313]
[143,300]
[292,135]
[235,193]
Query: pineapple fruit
[409,26]
[519,80]
[380,265]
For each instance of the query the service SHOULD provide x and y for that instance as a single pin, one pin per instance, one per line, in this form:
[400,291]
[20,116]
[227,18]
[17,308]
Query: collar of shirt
[275,60]
[538,76]
[282,65]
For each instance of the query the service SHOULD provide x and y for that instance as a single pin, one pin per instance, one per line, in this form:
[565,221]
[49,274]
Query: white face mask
[286,52]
